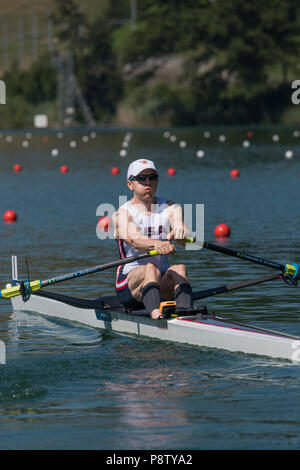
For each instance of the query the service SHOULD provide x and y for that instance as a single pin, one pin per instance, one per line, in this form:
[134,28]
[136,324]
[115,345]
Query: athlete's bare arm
[179,231]
[127,230]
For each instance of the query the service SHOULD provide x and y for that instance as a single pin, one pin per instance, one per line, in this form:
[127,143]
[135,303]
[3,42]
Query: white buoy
[222,138]
[166,134]
[246,143]
[173,138]
[182,144]
[85,138]
[54,152]
[275,138]
[73,144]
[289,154]
[200,154]
[206,134]
[123,153]
[25,143]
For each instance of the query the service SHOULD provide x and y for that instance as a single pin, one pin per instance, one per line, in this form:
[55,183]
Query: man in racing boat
[149,222]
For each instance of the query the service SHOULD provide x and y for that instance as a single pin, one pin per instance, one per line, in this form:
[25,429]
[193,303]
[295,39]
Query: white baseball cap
[139,165]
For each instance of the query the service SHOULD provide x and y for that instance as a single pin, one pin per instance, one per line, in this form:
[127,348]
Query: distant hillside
[10,11]
[203,62]
[23,20]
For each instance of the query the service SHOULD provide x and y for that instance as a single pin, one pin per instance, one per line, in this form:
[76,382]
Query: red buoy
[222,230]
[10,216]
[104,224]
[115,170]
[171,171]
[250,134]
[64,169]
[17,167]
[234,173]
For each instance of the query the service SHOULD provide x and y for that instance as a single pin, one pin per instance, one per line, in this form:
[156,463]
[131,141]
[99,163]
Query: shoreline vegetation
[182,63]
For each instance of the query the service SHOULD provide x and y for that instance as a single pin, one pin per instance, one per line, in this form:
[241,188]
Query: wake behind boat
[195,327]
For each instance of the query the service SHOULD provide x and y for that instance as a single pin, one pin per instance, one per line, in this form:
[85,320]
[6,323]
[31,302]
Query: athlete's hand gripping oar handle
[33,286]
[289,270]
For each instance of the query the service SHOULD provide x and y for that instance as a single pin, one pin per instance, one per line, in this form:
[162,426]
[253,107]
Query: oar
[27,287]
[32,286]
[289,270]
[230,287]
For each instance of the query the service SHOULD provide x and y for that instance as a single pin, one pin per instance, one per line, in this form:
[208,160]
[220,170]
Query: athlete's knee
[151,273]
[151,268]
[179,269]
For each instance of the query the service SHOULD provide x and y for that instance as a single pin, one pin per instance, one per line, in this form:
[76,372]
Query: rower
[149,222]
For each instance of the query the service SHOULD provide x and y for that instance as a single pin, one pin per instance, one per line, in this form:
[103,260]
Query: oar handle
[153,253]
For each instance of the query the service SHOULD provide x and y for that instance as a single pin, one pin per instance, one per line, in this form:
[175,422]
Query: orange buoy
[171,171]
[222,230]
[234,173]
[115,170]
[250,134]
[64,169]
[10,216]
[104,224]
[17,167]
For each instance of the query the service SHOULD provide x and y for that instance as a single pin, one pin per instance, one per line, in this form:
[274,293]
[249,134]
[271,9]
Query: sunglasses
[142,178]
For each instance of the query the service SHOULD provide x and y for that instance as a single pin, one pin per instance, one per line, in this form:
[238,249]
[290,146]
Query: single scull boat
[196,327]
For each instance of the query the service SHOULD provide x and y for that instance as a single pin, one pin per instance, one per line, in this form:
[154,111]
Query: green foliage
[240,57]
[96,66]
[36,85]
[252,37]
[231,49]
[25,90]
[161,104]
[164,27]
[17,114]
[70,23]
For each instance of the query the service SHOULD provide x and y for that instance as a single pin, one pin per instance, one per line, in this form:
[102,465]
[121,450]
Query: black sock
[151,296]
[183,296]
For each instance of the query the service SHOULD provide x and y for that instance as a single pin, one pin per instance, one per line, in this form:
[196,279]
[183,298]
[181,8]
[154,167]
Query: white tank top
[155,226]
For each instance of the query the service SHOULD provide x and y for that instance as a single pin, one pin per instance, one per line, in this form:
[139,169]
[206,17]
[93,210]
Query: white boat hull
[208,332]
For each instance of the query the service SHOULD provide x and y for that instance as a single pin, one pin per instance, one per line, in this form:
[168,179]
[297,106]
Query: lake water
[67,387]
